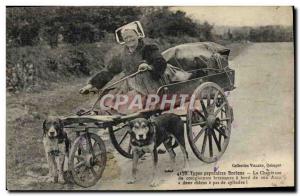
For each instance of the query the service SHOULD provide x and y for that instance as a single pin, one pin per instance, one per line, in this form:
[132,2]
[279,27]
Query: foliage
[161,22]
[33,25]
[270,33]
[51,64]
[75,24]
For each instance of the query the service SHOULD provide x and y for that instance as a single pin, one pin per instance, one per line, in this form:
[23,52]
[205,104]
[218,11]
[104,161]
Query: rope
[221,68]
[218,58]
[104,90]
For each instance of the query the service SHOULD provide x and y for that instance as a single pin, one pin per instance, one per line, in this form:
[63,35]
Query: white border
[151,2]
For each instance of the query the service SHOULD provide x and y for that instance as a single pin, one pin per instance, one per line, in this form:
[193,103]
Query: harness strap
[54,152]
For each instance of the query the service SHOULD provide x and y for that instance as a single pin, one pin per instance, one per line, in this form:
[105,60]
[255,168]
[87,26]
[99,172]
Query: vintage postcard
[149,98]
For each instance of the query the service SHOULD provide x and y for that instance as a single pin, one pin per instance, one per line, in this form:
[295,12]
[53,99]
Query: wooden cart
[208,121]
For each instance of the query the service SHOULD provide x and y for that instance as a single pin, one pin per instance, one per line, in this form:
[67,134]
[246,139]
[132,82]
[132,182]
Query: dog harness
[54,152]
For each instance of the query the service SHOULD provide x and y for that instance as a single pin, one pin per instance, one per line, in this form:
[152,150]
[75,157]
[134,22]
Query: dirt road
[262,132]
[263,128]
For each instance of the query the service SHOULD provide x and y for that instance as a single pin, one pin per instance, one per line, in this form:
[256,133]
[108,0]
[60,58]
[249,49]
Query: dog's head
[140,128]
[52,127]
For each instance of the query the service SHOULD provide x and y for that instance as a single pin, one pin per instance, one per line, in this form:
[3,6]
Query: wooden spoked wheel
[120,139]
[87,159]
[209,120]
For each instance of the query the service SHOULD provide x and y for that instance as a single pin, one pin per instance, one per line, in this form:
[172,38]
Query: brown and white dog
[56,145]
[147,135]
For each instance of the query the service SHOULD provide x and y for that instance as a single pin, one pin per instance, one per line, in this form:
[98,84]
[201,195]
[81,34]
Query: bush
[85,32]
[30,68]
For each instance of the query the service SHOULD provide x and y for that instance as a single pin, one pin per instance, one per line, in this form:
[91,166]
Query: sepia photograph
[139,98]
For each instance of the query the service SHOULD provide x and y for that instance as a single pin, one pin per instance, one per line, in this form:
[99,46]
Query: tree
[161,22]
[22,26]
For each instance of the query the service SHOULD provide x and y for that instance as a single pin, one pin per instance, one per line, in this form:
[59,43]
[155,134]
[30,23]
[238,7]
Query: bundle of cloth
[199,58]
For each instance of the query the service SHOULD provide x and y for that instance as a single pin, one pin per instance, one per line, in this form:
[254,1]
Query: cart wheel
[209,120]
[87,159]
[122,144]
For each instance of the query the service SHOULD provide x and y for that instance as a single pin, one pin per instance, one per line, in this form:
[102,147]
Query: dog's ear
[44,128]
[152,125]
[131,124]
[61,126]
[151,122]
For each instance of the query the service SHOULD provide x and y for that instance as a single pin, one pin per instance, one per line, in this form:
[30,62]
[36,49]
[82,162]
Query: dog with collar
[56,145]
[147,135]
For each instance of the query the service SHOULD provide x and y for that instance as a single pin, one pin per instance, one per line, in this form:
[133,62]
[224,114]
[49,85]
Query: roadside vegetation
[51,44]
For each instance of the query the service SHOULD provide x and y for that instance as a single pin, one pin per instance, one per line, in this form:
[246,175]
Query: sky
[241,16]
